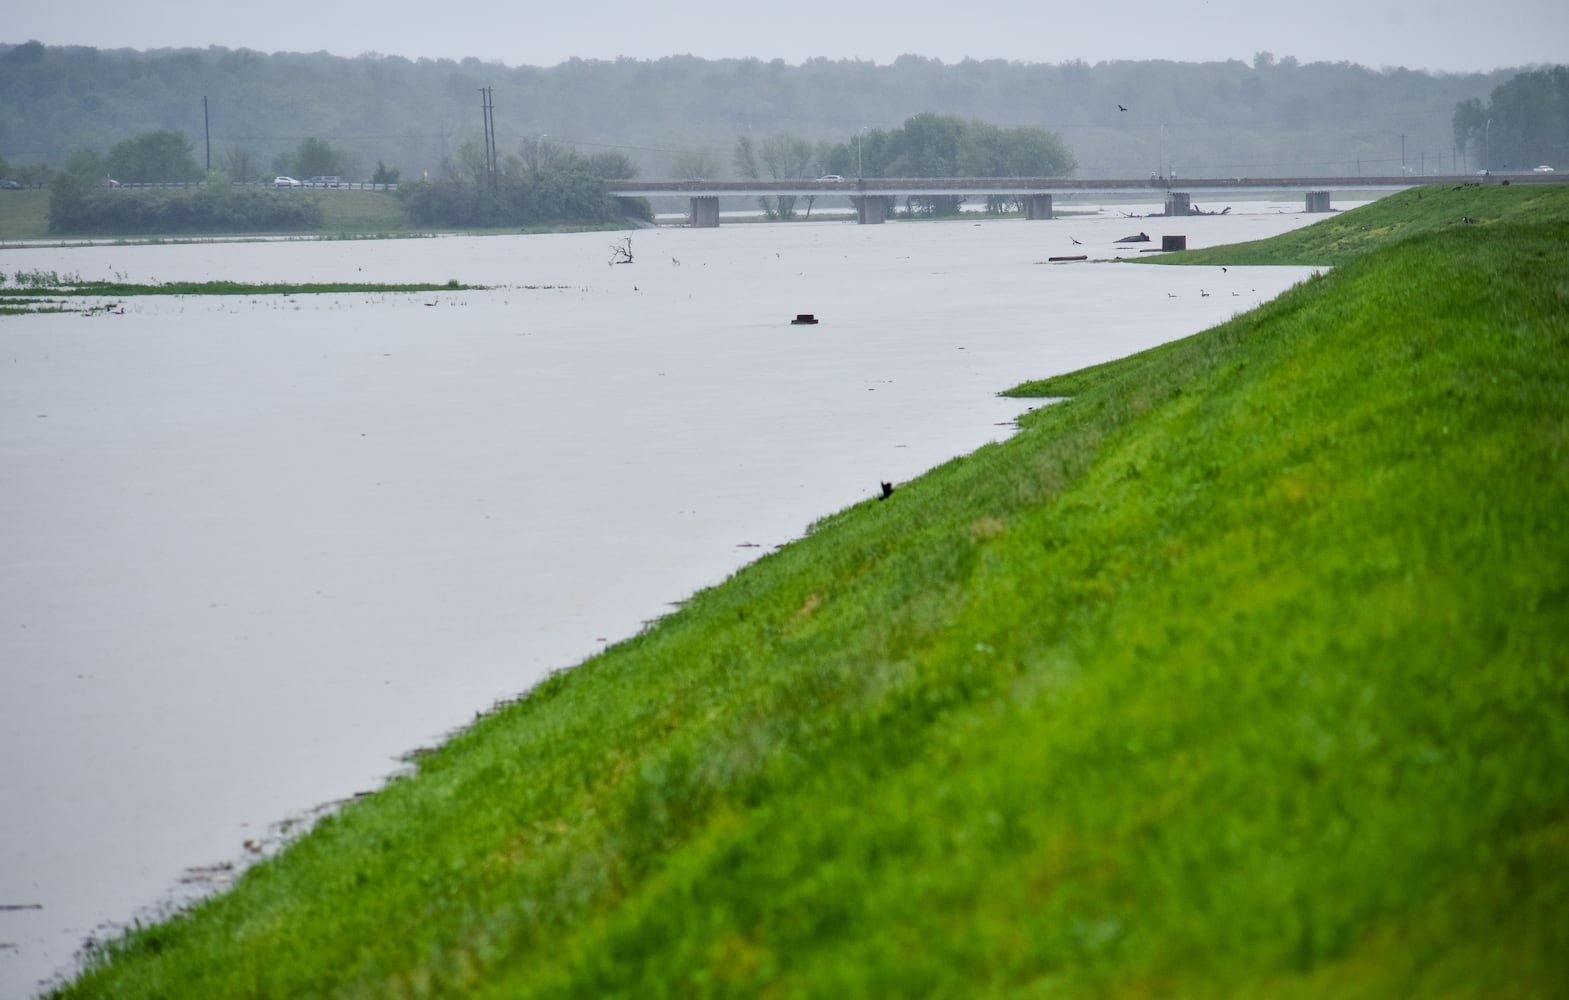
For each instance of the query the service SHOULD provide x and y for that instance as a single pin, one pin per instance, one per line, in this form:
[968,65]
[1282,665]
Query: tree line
[554,186]
[1233,118]
[1524,123]
[924,145]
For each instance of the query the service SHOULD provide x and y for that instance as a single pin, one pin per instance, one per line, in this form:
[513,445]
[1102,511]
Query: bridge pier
[705,212]
[1179,203]
[1318,201]
[1037,206]
[870,209]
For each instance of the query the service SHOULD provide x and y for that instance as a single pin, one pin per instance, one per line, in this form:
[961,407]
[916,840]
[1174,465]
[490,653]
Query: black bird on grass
[887,491]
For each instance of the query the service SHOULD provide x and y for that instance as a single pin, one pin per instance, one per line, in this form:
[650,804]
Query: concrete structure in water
[705,212]
[870,209]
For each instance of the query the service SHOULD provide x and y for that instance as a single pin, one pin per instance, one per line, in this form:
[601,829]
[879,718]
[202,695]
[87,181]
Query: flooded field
[257,548]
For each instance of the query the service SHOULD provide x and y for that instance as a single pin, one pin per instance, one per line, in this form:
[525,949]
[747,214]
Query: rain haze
[1441,37]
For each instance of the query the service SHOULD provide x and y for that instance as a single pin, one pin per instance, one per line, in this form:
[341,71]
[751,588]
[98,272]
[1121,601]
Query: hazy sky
[1446,35]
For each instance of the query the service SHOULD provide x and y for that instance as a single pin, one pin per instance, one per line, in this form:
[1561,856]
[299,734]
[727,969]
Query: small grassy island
[1243,672]
[47,291]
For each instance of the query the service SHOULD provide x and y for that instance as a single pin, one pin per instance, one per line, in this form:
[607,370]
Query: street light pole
[860,141]
[1487,146]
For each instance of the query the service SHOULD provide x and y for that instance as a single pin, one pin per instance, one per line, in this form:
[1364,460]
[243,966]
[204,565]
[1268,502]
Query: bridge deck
[1013,186]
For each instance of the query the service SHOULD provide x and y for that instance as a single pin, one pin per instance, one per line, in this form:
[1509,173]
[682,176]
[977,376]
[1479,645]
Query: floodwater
[255,549]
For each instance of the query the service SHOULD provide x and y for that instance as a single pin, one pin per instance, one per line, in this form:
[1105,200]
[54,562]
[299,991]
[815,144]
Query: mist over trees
[681,116]
[1525,123]
[539,184]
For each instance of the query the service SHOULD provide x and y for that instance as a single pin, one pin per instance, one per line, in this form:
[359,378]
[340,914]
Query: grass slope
[1241,673]
[1344,236]
[24,215]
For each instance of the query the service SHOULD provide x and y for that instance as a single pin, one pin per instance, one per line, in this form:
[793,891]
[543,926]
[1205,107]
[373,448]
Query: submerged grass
[1240,673]
[76,288]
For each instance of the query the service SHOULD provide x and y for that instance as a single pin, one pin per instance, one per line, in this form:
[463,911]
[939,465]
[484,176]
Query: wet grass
[1344,236]
[1240,673]
[24,215]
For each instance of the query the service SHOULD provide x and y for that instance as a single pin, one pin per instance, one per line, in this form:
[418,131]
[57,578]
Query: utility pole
[1402,152]
[488,106]
[495,158]
[207,128]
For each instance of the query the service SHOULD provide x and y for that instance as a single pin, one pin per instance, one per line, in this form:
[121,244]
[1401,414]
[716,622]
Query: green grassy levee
[1345,235]
[1241,673]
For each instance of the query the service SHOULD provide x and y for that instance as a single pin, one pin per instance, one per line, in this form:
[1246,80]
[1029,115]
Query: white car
[831,178]
[287,182]
[1543,169]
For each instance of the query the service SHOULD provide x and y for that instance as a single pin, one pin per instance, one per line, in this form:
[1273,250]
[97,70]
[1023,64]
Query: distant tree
[565,193]
[781,156]
[927,145]
[241,164]
[87,167]
[316,157]
[542,153]
[1470,125]
[696,165]
[165,155]
[468,165]
[34,174]
[1530,121]
[383,175]
[5,168]
[612,166]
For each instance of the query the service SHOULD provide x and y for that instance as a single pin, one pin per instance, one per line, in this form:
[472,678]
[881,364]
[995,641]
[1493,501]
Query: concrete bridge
[874,197]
